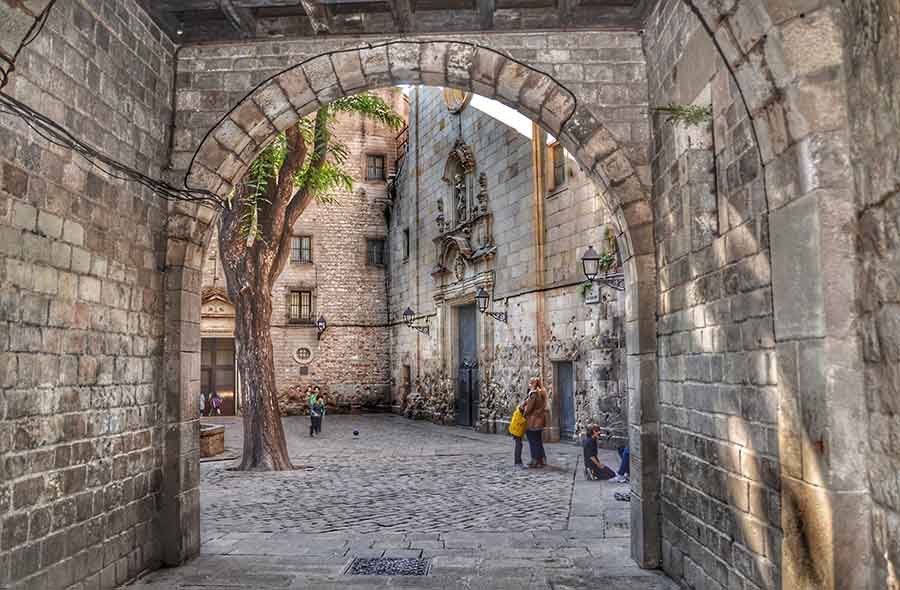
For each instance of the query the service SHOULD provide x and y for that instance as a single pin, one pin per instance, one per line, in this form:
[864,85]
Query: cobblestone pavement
[408,489]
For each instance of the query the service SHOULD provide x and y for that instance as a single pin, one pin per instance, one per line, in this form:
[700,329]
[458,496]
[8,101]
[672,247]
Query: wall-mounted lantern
[592,263]
[408,316]
[483,298]
[321,324]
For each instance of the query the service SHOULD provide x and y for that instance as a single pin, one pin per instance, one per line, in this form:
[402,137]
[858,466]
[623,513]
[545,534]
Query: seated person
[593,468]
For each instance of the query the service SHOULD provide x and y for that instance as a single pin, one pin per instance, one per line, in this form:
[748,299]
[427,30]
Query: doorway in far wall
[217,373]
[564,373]
[467,369]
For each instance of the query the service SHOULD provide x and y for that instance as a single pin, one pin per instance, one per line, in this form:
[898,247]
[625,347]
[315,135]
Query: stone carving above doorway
[464,221]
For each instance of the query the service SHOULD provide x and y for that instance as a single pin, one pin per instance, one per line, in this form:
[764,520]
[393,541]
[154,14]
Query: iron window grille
[300,306]
[375,252]
[301,249]
[375,167]
[558,159]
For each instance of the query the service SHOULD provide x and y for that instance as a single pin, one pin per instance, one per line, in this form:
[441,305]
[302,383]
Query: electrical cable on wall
[59,136]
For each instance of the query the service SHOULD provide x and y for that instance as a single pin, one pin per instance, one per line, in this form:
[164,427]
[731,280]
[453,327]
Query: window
[406,244]
[375,252]
[301,249]
[300,306]
[375,167]
[558,161]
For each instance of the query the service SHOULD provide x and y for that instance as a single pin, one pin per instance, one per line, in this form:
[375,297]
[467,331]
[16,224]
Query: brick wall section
[574,217]
[718,401]
[354,352]
[872,39]
[81,304]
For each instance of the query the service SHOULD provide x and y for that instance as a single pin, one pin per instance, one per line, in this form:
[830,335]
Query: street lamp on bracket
[321,325]
[408,316]
[483,300]
[591,263]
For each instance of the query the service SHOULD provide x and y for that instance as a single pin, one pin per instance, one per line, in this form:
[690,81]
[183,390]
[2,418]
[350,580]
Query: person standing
[624,471]
[216,402]
[202,403]
[536,418]
[517,431]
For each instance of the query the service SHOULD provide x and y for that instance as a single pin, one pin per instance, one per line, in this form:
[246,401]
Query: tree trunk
[265,447]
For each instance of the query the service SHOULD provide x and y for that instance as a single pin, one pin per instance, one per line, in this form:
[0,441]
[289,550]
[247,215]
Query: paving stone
[448,494]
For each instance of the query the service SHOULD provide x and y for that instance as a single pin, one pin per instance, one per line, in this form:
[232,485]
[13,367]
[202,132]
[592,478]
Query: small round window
[302,355]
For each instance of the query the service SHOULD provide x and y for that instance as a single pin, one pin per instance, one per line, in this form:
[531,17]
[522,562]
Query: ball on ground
[356,433]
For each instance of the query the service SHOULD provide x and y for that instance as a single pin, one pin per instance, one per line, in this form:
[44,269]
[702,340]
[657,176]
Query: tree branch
[302,197]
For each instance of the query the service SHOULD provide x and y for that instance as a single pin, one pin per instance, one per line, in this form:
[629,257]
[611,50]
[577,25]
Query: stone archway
[789,64]
[280,101]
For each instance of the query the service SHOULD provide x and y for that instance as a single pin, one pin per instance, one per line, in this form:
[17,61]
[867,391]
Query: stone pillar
[643,409]
[180,520]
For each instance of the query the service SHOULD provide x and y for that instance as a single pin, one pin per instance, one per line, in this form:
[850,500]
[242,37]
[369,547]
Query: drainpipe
[537,161]
[416,171]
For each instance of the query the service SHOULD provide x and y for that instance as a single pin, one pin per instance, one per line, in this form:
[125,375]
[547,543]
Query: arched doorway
[297,91]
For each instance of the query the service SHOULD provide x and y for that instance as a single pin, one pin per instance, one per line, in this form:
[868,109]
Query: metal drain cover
[388,566]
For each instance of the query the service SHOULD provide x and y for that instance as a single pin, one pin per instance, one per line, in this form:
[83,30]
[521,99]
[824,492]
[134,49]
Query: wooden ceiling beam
[318,16]
[241,18]
[486,9]
[567,9]
[403,15]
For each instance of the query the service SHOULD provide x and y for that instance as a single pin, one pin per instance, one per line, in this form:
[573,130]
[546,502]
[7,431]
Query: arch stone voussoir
[271,101]
[348,69]
[486,66]
[534,93]
[460,58]
[249,117]
[434,63]
[511,79]
[231,137]
[296,87]
[403,58]
[558,106]
[375,65]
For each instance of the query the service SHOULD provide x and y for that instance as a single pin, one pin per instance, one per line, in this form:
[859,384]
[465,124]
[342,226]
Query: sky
[506,115]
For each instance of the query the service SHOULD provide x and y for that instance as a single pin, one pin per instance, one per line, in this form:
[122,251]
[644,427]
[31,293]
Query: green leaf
[321,179]
[690,115]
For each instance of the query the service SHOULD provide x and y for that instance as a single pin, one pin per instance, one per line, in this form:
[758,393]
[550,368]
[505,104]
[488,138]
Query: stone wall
[717,371]
[548,318]
[81,304]
[872,40]
[350,361]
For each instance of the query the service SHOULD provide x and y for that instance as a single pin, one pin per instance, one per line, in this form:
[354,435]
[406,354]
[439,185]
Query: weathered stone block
[349,70]
[296,88]
[403,58]
[796,284]
[271,100]
[375,65]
